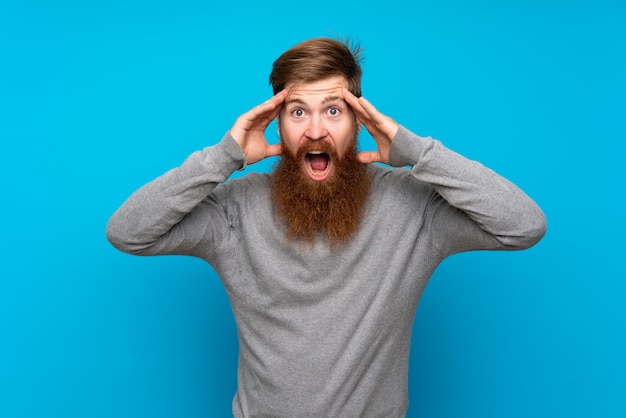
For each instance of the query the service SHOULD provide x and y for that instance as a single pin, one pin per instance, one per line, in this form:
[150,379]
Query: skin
[317,112]
[306,115]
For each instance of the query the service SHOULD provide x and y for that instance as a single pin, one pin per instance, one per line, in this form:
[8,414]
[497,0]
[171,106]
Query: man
[324,260]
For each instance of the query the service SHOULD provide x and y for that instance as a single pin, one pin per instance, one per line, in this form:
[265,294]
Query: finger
[260,117]
[368,157]
[371,111]
[376,121]
[275,112]
[368,107]
[354,104]
[268,107]
[281,95]
[366,113]
[348,96]
[278,99]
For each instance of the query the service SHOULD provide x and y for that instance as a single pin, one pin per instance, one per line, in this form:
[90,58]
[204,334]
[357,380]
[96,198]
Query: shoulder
[252,179]
[249,186]
[396,178]
[396,189]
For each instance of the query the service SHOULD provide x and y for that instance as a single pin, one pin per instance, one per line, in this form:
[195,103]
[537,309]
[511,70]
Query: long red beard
[332,208]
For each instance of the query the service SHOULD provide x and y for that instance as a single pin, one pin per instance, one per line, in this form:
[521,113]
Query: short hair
[316,59]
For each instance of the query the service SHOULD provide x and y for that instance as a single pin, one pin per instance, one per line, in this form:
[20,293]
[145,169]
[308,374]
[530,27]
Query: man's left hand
[381,127]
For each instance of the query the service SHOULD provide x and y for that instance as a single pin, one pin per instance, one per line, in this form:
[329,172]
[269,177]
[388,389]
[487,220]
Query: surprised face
[317,125]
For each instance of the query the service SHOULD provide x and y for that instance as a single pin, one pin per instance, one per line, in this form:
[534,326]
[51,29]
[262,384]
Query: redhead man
[324,259]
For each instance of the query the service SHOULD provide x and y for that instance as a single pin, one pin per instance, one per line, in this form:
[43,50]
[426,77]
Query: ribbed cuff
[406,148]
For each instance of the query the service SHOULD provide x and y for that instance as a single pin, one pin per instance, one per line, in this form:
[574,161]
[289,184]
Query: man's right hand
[249,129]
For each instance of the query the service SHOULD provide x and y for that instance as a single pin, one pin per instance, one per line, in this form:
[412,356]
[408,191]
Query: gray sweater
[326,333]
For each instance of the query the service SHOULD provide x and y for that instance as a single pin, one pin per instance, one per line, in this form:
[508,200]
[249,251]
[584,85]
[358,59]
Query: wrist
[228,155]
[406,148]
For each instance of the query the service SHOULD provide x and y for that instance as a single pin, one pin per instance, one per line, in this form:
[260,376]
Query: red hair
[317,59]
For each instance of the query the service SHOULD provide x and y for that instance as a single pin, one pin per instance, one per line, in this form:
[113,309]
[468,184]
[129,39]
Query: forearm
[495,204]
[154,209]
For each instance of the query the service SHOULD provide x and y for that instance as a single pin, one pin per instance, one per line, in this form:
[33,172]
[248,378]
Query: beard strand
[332,209]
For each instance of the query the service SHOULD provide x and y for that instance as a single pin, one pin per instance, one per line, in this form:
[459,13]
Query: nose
[316,129]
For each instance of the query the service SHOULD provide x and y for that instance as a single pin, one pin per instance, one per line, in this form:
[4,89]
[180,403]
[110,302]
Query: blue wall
[98,97]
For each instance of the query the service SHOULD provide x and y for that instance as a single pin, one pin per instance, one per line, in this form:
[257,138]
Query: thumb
[368,157]
[273,150]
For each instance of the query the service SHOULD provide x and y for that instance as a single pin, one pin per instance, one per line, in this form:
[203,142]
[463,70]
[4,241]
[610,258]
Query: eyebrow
[332,98]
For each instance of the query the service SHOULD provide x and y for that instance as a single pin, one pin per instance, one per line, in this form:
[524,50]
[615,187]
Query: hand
[381,127]
[249,129]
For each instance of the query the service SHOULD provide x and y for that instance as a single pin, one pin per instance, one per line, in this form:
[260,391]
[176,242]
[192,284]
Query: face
[316,118]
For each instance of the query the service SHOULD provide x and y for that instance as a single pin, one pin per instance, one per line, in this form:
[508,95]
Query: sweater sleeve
[475,196]
[150,221]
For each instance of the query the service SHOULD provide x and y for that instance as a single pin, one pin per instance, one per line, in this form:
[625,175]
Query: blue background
[99,97]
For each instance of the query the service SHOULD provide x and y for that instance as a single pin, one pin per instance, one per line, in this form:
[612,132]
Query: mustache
[314,146]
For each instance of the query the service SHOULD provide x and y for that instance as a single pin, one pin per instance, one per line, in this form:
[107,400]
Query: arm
[491,202]
[151,220]
[144,224]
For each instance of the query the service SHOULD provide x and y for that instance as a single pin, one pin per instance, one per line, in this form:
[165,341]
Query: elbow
[117,237]
[530,232]
[127,239]
[536,231]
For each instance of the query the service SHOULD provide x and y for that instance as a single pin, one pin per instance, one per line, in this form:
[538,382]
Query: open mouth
[317,164]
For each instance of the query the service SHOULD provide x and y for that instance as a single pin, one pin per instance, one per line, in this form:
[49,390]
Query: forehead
[327,88]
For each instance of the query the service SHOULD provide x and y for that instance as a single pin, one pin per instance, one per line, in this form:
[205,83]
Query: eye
[297,112]
[334,111]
